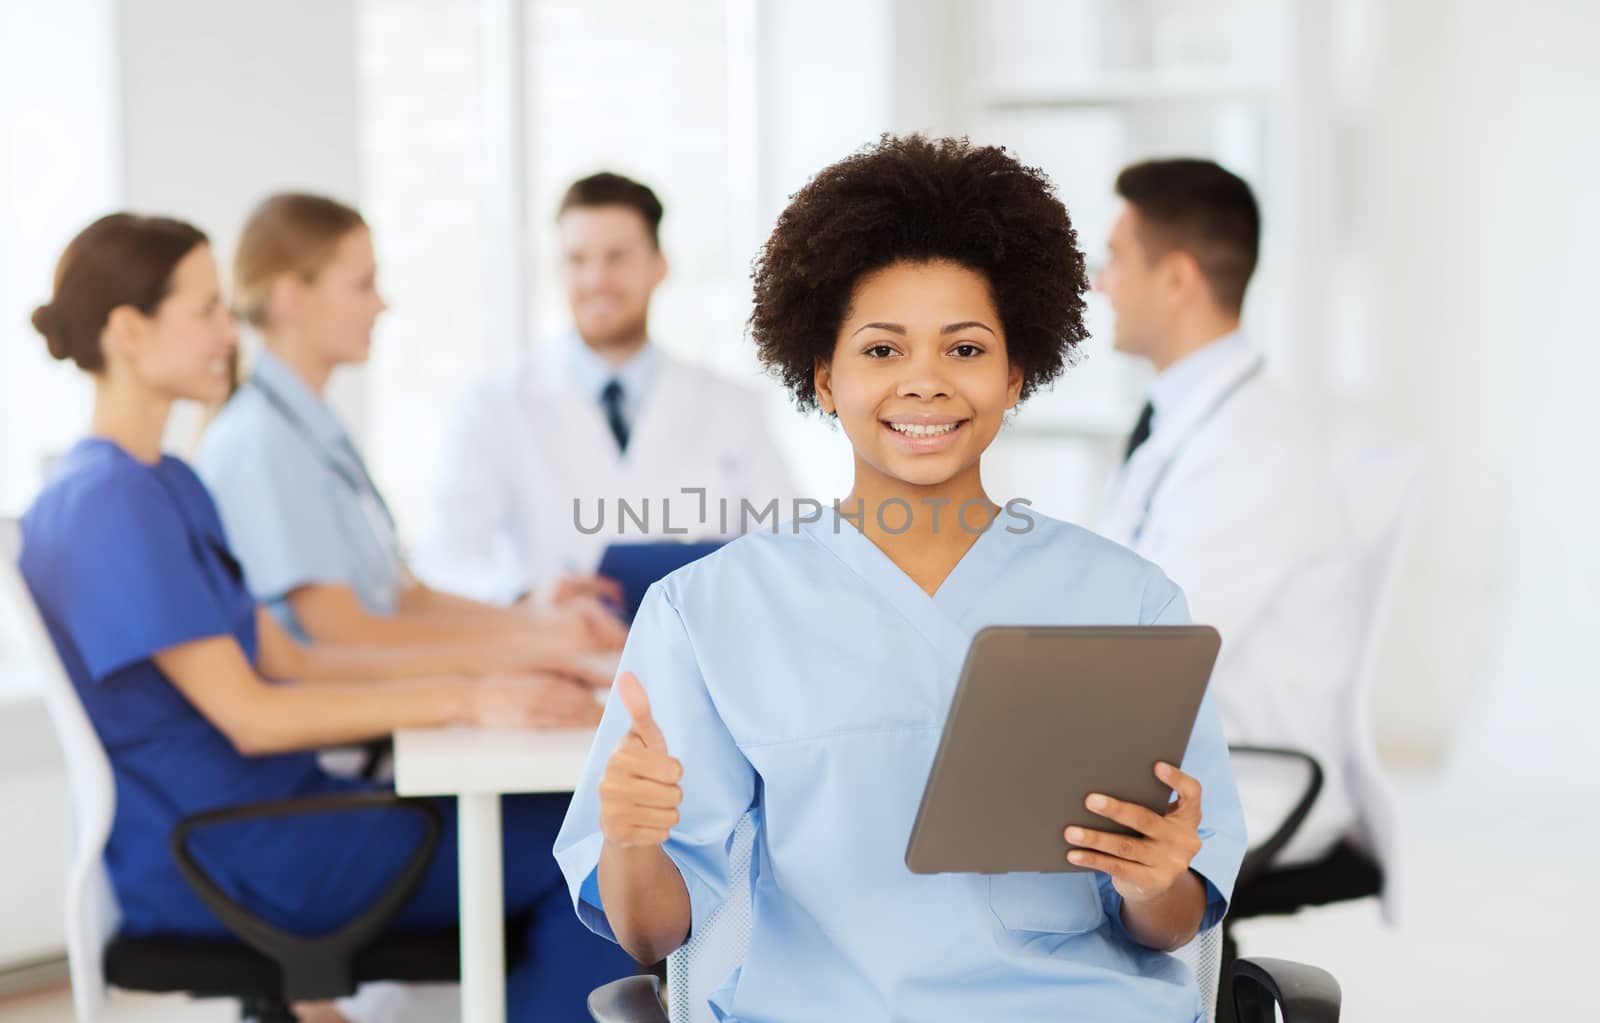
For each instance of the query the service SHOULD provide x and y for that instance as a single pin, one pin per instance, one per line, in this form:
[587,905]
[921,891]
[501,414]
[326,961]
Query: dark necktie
[1141,430]
[611,400]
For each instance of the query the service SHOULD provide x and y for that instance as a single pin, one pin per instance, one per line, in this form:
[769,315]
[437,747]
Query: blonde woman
[314,533]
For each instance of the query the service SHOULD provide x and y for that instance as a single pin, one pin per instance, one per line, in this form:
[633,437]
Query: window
[58,171]
[641,88]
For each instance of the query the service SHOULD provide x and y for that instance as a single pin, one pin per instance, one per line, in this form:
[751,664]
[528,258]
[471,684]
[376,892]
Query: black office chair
[1304,994]
[1345,873]
[1263,991]
[267,969]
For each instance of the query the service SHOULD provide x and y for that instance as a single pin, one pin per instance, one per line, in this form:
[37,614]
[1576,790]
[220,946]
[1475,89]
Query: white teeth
[915,430]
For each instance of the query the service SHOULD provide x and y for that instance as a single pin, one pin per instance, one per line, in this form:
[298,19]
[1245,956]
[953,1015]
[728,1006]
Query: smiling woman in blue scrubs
[201,699]
[916,291]
[314,533]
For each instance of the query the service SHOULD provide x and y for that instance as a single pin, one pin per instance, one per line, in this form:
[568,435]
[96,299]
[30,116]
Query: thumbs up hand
[639,793]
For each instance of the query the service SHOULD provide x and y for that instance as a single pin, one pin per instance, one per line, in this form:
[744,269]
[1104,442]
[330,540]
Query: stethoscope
[1228,393]
[373,507]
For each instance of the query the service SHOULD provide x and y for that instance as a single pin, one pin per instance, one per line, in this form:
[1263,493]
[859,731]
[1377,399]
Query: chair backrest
[699,967]
[711,953]
[91,908]
[1380,484]
[1203,956]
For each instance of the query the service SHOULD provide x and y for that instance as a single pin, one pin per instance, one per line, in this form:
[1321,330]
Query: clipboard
[637,565]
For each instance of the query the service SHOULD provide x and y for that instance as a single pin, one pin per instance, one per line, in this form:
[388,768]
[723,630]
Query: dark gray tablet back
[1043,716]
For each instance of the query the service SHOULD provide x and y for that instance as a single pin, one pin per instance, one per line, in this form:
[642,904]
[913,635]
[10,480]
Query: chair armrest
[1259,858]
[1303,994]
[629,1000]
[313,968]
[368,758]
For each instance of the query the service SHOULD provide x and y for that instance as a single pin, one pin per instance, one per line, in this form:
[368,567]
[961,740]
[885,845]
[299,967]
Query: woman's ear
[286,298]
[124,333]
[1014,387]
[822,382]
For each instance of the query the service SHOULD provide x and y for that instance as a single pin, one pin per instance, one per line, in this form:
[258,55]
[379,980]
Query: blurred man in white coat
[1227,488]
[540,459]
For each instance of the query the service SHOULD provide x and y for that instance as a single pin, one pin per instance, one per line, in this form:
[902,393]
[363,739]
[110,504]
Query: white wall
[224,103]
[825,87]
[59,161]
[1475,176]
[183,107]
[1525,356]
[58,170]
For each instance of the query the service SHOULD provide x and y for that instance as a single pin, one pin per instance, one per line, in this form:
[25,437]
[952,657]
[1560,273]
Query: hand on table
[533,701]
[571,587]
[581,623]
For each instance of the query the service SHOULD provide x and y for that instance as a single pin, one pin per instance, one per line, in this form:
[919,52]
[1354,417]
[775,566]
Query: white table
[477,766]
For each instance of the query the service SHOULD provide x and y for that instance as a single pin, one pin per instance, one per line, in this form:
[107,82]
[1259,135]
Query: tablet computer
[637,565]
[1041,718]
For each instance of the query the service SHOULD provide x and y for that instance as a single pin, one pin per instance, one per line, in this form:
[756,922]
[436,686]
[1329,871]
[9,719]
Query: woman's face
[338,308]
[182,350]
[919,377]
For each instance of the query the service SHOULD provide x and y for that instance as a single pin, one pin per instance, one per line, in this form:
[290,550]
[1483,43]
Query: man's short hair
[608,189]
[1198,207]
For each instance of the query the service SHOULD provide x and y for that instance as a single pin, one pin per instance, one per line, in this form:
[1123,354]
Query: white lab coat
[1237,503]
[524,446]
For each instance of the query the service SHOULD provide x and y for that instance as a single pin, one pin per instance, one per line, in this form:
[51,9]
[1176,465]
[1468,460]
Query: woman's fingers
[1130,815]
[1136,875]
[640,791]
[646,765]
[1149,862]
[1122,847]
[637,703]
[572,587]
[564,717]
[584,669]
[1186,786]
[606,630]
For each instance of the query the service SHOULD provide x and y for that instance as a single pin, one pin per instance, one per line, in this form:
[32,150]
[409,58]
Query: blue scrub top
[296,496]
[126,560]
[802,675]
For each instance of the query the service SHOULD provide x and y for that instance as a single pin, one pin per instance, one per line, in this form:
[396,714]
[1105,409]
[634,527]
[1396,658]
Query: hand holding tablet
[1147,864]
[1043,719]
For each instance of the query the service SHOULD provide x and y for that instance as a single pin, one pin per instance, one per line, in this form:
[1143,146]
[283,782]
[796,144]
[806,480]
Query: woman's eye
[879,352]
[966,351]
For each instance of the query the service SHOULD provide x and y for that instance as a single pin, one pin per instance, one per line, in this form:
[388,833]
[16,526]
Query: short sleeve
[122,579]
[718,782]
[276,506]
[1222,832]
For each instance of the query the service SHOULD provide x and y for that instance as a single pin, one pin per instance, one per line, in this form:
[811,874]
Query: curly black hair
[915,199]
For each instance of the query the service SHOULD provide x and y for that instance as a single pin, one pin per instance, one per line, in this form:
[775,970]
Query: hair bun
[44,321]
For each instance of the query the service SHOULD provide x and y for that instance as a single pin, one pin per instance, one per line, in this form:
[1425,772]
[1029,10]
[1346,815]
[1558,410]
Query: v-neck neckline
[938,615]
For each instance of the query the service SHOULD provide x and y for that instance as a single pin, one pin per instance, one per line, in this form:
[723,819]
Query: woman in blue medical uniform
[315,535]
[172,657]
[916,291]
